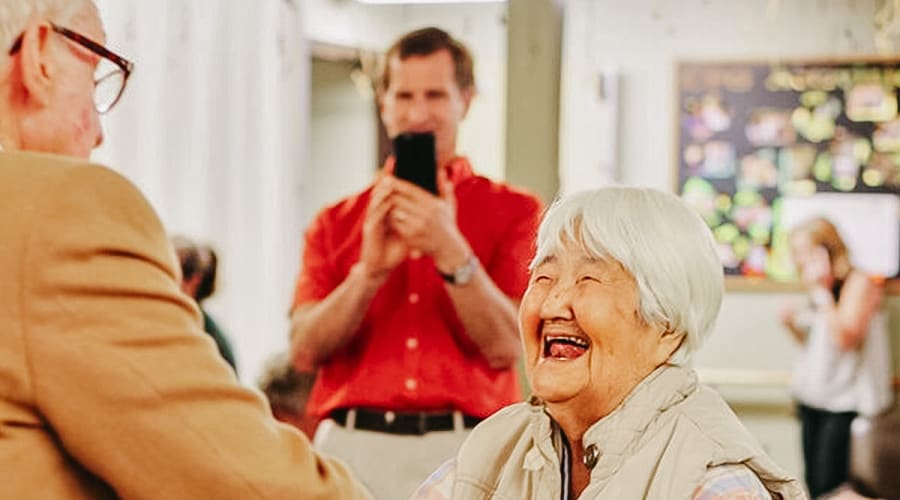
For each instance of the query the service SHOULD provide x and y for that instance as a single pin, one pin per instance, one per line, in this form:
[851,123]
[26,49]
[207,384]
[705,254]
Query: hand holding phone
[817,267]
[416,160]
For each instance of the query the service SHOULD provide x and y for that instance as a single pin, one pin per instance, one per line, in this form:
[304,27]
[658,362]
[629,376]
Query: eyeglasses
[109,82]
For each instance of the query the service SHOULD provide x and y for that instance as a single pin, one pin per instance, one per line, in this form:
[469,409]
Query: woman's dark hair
[197,260]
[209,264]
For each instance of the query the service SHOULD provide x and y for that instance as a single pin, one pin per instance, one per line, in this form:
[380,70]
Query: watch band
[463,274]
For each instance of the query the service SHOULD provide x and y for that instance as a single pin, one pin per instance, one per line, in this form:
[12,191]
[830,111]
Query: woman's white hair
[15,15]
[660,241]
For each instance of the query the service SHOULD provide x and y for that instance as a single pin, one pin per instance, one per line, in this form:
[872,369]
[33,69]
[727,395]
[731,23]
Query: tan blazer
[108,386]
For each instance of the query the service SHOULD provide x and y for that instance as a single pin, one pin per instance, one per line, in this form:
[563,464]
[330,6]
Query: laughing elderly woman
[624,288]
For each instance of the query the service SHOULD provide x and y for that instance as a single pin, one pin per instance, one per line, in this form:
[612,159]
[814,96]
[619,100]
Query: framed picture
[762,145]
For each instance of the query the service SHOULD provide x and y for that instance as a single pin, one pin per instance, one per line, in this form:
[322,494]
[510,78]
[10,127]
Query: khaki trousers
[392,466]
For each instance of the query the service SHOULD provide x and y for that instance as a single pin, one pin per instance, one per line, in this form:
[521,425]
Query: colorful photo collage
[751,134]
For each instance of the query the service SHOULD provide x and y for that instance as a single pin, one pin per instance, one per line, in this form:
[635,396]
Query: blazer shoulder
[37,173]
[89,207]
[41,164]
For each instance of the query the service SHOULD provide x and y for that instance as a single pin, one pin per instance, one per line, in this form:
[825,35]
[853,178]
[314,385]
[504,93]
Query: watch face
[465,273]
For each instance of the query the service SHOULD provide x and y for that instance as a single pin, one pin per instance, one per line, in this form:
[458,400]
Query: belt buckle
[422,423]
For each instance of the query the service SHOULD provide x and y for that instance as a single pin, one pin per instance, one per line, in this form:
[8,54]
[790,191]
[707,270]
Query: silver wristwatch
[462,274]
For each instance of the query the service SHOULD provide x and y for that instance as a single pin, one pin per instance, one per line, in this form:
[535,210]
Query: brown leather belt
[400,423]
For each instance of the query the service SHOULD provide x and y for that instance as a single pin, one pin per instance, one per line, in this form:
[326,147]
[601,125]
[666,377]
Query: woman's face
[586,347]
[811,259]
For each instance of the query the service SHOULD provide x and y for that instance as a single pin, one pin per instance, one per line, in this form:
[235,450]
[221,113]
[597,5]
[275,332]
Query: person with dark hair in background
[199,265]
[108,388]
[406,300]
[844,367]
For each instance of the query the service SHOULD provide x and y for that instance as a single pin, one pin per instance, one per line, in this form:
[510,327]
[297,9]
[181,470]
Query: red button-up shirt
[411,352]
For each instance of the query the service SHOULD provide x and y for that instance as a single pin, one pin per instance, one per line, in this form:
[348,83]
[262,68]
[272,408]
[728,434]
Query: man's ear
[37,63]
[379,101]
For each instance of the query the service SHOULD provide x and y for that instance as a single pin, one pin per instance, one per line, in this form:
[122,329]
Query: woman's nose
[558,303]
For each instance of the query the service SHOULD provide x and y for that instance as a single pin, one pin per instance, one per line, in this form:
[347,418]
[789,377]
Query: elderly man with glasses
[108,387]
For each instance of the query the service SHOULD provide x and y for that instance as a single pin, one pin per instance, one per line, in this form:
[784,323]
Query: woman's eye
[588,278]
[541,278]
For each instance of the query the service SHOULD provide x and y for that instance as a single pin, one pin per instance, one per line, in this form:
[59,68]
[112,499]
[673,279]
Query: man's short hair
[15,14]
[427,41]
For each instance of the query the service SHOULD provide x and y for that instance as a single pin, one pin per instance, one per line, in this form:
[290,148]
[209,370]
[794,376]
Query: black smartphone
[416,160]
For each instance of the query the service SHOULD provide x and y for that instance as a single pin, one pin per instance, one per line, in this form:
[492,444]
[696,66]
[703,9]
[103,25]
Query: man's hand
[382,249]
[787,314]
[427,223]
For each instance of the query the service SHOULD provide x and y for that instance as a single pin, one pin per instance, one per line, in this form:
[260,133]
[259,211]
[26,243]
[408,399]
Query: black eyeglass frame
[124,64]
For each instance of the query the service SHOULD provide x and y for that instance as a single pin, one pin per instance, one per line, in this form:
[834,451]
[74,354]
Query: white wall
[212,130]
[343,138]
[643,39]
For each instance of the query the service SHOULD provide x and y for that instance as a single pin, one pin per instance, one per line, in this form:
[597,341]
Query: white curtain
[212,130]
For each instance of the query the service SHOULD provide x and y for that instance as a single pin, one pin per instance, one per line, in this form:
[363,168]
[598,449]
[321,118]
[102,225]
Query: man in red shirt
[406,301]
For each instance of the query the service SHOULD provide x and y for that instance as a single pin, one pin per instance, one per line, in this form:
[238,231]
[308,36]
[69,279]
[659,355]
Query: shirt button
[412,343]
[414,298]
[411,384]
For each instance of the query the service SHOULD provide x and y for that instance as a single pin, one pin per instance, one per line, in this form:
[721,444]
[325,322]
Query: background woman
[844,364]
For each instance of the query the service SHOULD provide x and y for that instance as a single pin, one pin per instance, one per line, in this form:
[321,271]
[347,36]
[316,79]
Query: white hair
[15,15]
[660,241]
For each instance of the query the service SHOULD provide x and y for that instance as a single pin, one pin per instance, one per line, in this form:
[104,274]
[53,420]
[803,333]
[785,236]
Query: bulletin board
[762,146]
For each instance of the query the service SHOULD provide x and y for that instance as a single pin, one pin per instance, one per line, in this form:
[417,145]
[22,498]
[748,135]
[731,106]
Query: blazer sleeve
[122,373]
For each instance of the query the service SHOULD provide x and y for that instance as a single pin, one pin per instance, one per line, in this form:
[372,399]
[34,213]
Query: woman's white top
[828,378]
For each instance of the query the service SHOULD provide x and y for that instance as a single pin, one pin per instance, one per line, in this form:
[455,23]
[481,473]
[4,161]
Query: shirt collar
[458,169]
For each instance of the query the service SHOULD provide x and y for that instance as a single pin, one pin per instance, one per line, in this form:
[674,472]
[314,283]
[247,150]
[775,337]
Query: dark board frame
[739,89]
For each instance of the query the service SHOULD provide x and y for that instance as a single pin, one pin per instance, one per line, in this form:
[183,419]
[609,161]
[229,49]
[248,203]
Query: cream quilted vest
[657,445]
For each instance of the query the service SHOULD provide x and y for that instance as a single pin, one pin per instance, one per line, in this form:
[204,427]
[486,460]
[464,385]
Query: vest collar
[614,437]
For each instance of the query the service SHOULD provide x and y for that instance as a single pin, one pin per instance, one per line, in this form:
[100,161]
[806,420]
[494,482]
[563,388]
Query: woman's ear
[669,342]
[37,63]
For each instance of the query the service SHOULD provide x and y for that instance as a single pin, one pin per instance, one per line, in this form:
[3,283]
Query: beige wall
[642,40]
